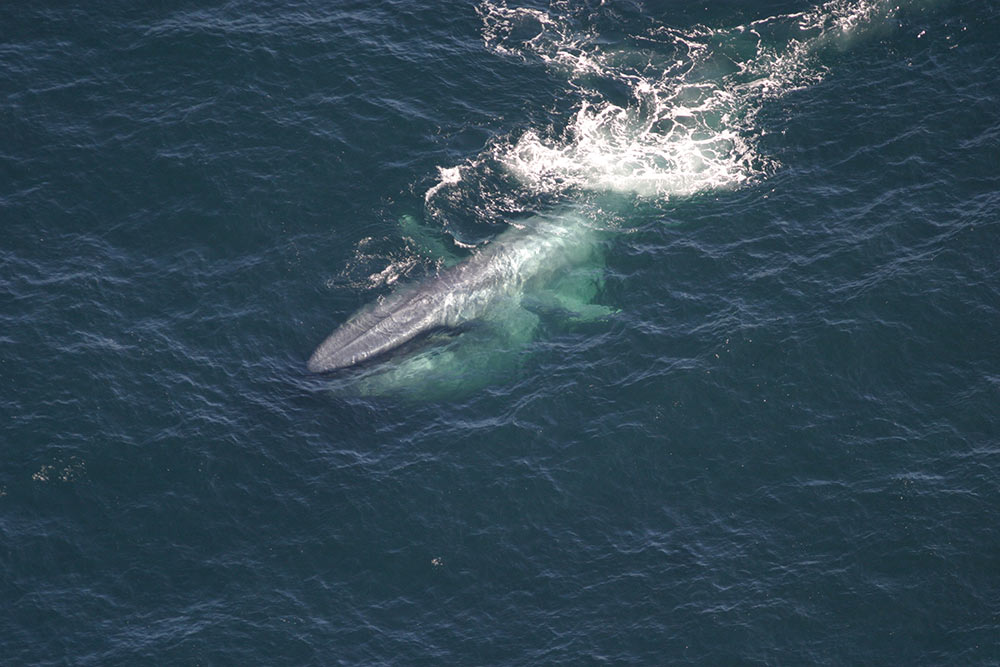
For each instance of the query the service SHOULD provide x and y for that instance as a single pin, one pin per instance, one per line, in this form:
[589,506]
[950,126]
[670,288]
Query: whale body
[522,266]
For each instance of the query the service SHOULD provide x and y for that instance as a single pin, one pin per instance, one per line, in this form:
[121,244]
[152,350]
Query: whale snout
[327,358]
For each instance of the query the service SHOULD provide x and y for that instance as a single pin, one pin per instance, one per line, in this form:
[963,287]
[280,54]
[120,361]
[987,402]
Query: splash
[664,112]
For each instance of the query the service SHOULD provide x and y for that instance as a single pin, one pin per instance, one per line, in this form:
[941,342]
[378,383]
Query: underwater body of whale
[531,265]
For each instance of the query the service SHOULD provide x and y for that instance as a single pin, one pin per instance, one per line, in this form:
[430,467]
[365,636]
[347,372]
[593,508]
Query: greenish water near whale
[776,442]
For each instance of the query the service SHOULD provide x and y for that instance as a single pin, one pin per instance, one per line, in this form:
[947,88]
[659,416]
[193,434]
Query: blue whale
[541,263]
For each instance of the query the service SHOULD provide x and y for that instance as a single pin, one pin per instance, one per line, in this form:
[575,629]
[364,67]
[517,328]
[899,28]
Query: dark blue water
[779,443]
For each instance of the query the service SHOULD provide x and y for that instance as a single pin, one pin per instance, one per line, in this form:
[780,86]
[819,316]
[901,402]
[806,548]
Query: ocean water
[777,443]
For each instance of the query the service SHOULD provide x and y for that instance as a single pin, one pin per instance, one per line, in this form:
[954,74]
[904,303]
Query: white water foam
[446,176]
[683,120]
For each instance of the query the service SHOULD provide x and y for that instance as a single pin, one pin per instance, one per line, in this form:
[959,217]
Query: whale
[543,263]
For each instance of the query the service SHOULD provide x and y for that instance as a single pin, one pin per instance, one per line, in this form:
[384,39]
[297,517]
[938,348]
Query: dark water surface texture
[779,444]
